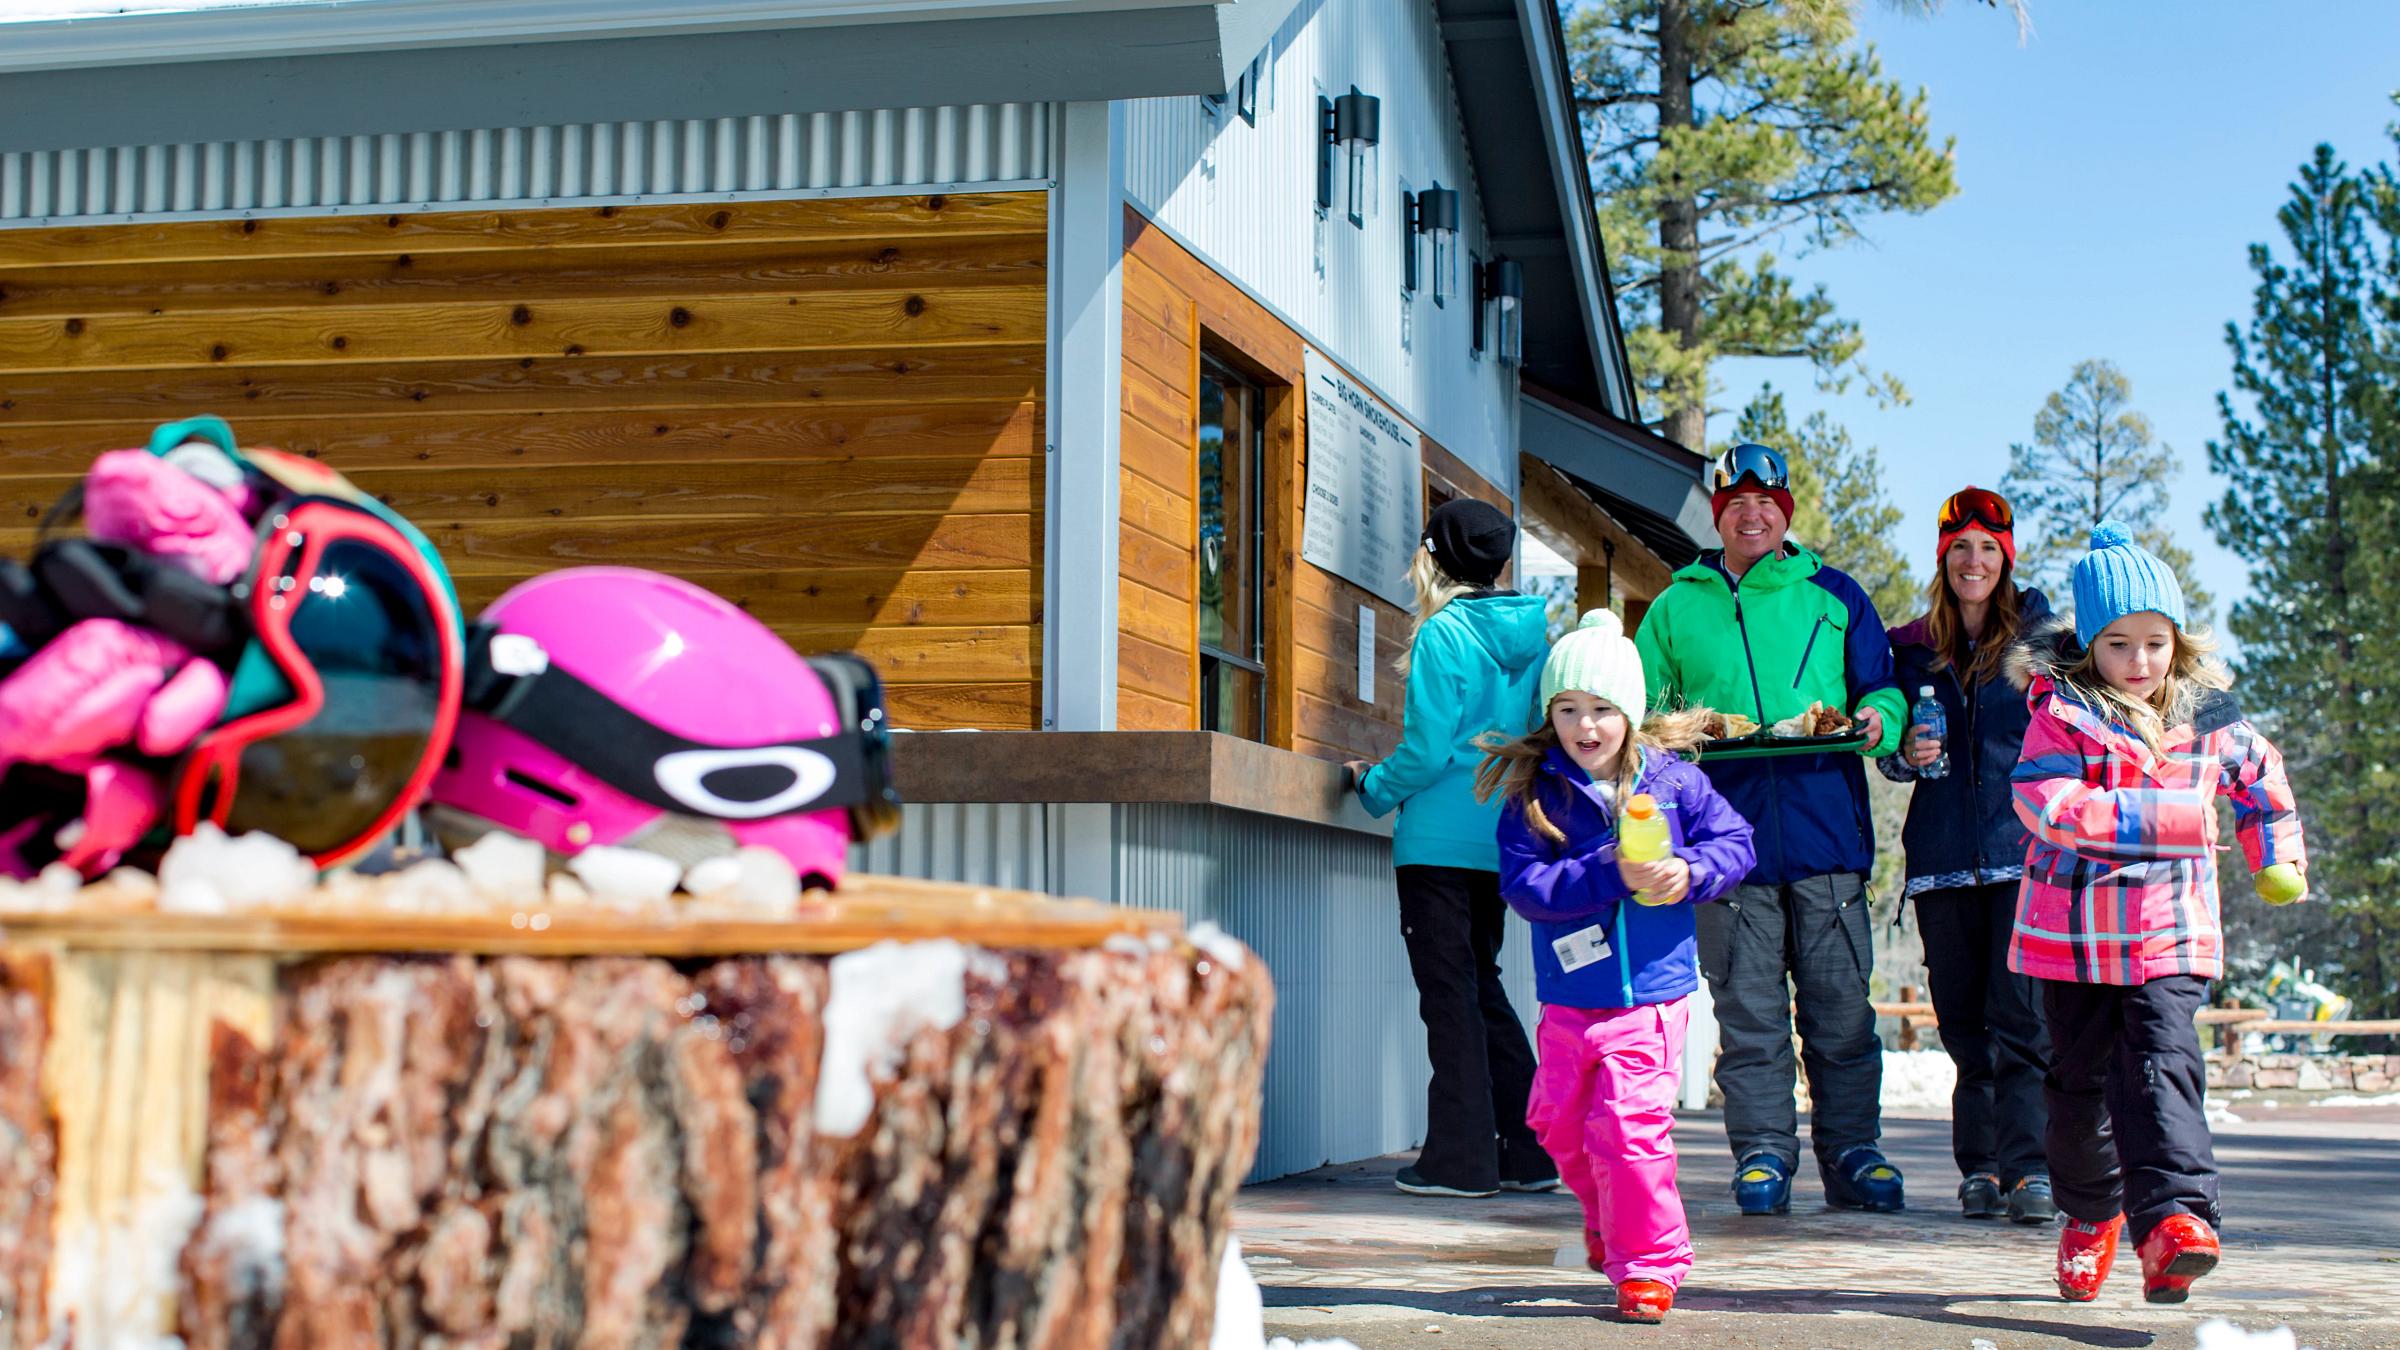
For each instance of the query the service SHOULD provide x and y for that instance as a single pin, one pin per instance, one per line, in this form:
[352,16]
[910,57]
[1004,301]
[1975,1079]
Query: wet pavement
[2312,1240]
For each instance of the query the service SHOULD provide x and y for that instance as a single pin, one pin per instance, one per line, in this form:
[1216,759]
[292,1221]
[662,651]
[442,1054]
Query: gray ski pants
[1770,952]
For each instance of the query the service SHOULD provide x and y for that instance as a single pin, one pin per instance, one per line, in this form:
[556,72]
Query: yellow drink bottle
[1642,836]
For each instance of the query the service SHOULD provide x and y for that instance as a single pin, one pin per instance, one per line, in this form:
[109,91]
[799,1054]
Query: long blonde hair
[1946,627]
[2194,669]
[1435,588]
[1513,765]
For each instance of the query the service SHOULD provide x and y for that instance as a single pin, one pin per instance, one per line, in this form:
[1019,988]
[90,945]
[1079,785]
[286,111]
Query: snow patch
[250,1233]
[626,878]
[1242,1315]
[881,996]
[755,881]
[2346,1099]
[2218,1334]
[208,872]
[1918,1080]
[1228,950]
[504,867]
[116,1278]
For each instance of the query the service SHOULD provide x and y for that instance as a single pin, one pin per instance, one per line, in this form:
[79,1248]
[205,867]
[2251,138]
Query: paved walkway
[2313,1242]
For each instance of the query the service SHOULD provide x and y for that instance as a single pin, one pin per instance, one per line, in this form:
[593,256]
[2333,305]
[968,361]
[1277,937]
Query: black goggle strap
[75,579]
[510,679]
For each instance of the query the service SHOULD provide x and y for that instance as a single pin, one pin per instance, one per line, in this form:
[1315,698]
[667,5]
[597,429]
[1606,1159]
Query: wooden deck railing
[2234,1025]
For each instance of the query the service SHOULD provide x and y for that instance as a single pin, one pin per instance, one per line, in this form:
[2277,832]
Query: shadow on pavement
[1587,1299]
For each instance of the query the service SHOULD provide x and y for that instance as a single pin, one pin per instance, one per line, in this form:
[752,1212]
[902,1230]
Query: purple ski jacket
[1566,890]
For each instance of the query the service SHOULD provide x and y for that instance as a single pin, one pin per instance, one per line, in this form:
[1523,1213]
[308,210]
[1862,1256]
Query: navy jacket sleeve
[1867,661]
[1543,886]
[1716,839]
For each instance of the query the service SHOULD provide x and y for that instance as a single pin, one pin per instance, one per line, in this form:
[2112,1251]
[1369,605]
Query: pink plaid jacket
[2121,876]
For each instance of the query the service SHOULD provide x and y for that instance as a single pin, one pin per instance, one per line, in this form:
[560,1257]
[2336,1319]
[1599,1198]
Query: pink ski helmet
[610,705]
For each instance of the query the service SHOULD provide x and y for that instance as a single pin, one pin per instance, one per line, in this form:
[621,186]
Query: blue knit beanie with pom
[2120,577]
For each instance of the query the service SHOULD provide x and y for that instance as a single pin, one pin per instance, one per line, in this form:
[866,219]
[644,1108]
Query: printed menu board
[1365,510]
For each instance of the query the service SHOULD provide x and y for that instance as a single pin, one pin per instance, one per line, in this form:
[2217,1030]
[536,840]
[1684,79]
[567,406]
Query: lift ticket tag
[1581,947]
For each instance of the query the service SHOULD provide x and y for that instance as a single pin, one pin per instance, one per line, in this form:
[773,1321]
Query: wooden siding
[1175,306]
[827,411]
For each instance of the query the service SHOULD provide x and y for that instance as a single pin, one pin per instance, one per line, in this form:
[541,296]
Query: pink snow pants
[1604,1108]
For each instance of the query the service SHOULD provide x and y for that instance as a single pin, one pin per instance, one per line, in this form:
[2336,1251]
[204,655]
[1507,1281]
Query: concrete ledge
[1188,767]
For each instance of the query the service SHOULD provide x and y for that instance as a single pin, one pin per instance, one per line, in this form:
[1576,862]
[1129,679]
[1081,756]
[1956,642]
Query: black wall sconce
[1434,213]
[1500,295]
[1353,124]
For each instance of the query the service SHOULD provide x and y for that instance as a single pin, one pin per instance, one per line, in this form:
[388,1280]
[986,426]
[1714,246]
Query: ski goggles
[353,620]
[1977,506]
[1755,462]
[512,681]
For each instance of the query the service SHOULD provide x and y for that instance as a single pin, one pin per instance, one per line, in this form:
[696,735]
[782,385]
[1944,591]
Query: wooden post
[1908,1025]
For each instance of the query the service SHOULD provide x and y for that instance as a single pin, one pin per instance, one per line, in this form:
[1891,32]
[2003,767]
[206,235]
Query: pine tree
[2092,458]
[2306,454]
[1714,127]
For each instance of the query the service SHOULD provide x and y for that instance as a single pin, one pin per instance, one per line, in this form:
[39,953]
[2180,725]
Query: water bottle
[1928,714]
[1642,835]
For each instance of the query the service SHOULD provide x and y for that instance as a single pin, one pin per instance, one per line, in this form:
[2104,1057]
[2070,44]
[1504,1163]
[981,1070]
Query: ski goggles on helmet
[1973,506]
[1766,467]
[512,681]
[352,622]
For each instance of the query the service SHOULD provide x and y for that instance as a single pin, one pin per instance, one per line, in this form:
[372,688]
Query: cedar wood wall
[828,411]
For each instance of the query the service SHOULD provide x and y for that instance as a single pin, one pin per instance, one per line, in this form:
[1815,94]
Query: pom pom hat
[2120,577]
[1597,659]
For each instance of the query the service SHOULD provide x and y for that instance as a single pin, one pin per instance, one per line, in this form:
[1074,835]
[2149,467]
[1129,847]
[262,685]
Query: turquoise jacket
[1473,669]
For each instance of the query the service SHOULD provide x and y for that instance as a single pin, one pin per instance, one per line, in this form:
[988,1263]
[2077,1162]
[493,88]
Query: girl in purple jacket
[1612,969]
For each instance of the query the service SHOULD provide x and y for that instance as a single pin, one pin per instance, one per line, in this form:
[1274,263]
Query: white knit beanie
[1597,658]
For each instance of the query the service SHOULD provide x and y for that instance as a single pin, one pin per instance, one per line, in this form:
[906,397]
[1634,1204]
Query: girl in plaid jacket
[2133,737]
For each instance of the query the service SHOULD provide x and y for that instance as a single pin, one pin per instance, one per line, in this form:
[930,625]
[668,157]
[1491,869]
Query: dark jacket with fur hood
[1964,821]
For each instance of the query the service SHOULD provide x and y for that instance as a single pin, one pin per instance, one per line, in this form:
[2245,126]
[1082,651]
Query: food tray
[1762,745]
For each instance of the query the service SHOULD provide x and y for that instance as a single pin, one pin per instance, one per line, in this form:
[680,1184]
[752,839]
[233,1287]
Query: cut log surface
[1024,1144]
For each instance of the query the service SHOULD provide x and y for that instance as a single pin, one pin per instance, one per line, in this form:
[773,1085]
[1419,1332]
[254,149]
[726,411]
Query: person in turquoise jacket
[1473,664]
[1765,628]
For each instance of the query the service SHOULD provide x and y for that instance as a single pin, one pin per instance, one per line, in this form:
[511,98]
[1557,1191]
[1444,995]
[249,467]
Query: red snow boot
[1644,1301]
[2086,1253]
[2177,1252]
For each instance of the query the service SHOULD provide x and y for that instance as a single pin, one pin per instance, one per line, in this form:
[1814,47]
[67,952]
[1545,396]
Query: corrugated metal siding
[978,844]
[893,149]
[1241,195]
[1346,1073]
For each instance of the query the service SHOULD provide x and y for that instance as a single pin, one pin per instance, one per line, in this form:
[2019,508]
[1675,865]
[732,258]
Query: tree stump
[1029,1146]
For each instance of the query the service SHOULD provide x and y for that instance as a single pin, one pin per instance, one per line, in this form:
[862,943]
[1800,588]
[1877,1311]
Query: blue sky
[2112,172]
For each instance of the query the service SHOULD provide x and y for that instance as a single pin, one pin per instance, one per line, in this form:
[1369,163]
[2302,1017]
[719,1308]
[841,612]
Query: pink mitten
[184,707]
[120,805]
[133,497]
[84,692]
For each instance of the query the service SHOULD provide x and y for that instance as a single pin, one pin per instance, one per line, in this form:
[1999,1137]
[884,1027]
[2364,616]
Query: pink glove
[87,690]
[133,497]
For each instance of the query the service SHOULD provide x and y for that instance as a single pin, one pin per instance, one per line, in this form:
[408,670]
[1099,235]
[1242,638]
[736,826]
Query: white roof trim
[197,30]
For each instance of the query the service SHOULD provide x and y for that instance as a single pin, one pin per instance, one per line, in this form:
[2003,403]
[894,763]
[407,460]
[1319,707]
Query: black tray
[1761,745]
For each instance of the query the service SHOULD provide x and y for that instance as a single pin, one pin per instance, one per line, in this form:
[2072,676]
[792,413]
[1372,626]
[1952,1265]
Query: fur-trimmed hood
[2048,649]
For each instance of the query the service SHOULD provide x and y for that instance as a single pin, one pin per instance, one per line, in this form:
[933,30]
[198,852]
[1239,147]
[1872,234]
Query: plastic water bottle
[1642,836]
[1928,714]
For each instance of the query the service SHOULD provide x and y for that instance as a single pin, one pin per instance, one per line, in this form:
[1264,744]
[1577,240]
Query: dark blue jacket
[1966,820]
[1564,888]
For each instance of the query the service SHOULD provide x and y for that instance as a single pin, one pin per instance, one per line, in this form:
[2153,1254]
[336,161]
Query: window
[1233,679]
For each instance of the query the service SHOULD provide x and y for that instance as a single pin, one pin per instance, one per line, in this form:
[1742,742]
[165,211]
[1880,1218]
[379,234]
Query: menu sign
[1365,511]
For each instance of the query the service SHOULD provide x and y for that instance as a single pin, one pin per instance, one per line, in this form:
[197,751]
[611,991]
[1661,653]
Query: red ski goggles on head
[352,622]
[1977,506]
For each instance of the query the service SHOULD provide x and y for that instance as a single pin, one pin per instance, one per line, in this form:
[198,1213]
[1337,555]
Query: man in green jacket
[1765,628]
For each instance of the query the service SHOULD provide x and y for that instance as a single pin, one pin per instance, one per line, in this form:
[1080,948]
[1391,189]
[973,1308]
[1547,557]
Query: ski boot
[1762,1184]
[1644,1301]
[2029,1202]
[1979,1196]
[2180,1250]
[1862,1179]
[2086,1253]
[1595,1252]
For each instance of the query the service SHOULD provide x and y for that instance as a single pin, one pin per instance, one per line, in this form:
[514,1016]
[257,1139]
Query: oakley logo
[684,775]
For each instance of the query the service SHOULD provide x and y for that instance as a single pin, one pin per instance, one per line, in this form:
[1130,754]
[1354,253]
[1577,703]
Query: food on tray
[1814,720]
[1727,726]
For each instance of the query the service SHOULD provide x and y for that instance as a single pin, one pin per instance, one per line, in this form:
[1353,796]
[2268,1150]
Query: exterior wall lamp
[1353,124]
[1434,213]
[1500,291]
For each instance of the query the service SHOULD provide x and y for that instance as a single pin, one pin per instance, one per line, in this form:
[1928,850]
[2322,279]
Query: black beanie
[1472,540]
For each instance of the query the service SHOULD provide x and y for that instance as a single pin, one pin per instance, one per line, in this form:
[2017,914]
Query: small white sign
[1581,948]
[1366,654]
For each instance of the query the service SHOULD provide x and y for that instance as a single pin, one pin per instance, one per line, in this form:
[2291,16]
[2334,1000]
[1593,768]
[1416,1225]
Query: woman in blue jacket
[1471,669]
[1966,855]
